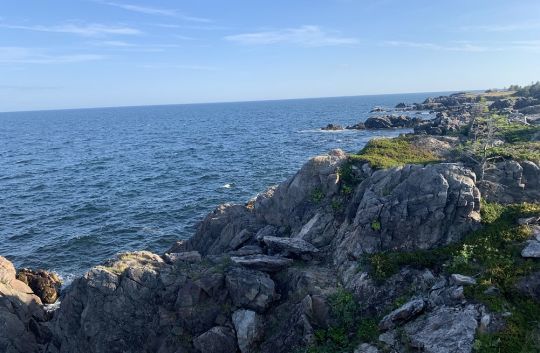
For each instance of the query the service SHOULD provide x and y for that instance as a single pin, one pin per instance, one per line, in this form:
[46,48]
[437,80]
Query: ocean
[78,186]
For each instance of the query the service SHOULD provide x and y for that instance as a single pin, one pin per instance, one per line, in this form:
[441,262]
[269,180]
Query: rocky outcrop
[22,318]
[46,285]
[391,122]
[332,127]
[512,182]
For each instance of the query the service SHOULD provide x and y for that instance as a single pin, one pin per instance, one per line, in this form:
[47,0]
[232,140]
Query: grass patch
[387,153]
[348,329]
[492,255]
[317,195]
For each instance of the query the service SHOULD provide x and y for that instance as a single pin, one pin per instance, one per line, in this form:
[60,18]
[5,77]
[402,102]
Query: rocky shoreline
[420,243]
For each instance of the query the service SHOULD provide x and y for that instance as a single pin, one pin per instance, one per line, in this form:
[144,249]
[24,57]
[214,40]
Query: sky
[58,54]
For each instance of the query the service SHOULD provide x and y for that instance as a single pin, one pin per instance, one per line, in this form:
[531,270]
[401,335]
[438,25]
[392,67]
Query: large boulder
[21,315]
[250,289]
[249,329]
[512,182]
[218,339]
[444,330]
[409,208]
[46,285]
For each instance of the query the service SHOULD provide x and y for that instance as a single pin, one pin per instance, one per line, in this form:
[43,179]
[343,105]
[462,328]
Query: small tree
[483,138]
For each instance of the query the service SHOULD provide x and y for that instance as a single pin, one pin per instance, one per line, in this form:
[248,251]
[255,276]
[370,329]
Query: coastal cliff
[413,244]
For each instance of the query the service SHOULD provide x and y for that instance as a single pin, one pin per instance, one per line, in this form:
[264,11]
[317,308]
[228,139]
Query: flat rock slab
[532,249]
[402,314]
[462,280]
[286,246]
[187,256]
[264,263]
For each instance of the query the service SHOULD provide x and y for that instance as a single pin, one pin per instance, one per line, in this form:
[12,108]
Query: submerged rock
[332,127]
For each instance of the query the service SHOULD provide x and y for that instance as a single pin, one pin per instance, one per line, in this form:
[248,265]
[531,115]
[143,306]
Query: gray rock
[409,208]
[444,330]
[250,289]
[332,127]
[289,246]
[187,256]
[264,263]
[21,314]
[240,239]
[532,249]
[366,348]
[249,329]
[247,250]
[218,339]
[462,280]
[530,285]
[512,182]
[402,315]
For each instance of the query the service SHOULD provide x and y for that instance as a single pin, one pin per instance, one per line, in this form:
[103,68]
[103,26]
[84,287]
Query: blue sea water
[78,186]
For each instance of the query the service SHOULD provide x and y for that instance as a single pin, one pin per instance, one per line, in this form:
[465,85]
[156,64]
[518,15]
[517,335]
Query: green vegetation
[376,225]
[532,90]
[337,206]
[348,329]
[387,153]
[317,195]
[492,255]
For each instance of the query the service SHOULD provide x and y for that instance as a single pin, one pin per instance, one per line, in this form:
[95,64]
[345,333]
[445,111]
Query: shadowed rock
[264,263]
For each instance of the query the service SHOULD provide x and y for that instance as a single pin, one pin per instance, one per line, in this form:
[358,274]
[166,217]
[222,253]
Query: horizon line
[232,101]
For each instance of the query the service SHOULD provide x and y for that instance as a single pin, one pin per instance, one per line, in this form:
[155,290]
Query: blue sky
[90,53]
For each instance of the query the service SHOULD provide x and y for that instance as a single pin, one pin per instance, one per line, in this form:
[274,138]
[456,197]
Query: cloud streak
[306,36]
[468,46]
[156,11]
[512,27]
[21,55]
[85,30]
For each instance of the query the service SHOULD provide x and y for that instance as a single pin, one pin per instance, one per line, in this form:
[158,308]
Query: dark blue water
[78,186]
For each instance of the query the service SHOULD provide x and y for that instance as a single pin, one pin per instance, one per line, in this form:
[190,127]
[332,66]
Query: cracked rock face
[258,277]
[409,208]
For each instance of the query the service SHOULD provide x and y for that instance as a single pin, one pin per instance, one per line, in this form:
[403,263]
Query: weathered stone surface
[462,280]
[530,285]
[187,256]
[250,289]
[402,314]
[264,263]
[444,330]
[249,329]
[408,208]
[366,348]
[532,249]
[218,339]
[21,314]
[46,285]
[289,246]
[512,182]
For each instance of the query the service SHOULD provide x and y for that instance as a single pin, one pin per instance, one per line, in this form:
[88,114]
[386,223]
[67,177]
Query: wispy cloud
[180,67]
[156,11]
[22,55]
[511,27]
[460,46]
[307,36]
[201,27]
[87,30]
[465,47]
